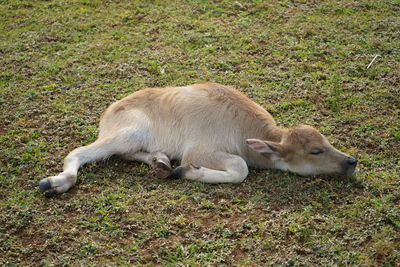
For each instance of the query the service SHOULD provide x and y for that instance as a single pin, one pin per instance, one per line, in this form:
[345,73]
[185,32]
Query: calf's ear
[266,148]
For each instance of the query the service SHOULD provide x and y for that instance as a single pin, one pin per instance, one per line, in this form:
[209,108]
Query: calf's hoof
[162,169]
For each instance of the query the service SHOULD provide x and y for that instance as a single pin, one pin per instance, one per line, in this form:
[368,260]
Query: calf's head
[305,151]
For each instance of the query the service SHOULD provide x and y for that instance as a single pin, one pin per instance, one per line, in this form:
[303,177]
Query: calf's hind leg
[157,160]
[127,140]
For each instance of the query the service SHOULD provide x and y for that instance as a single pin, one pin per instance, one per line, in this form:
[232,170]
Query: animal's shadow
[273,188]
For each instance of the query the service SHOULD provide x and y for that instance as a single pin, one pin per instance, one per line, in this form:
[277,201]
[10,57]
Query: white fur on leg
[215,167]
[236,171]
[62,182]
[213,176]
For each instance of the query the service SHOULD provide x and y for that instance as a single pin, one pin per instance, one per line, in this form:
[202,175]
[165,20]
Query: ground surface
[63,62]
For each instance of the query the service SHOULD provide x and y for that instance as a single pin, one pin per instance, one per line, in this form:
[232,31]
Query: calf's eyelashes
[316,151]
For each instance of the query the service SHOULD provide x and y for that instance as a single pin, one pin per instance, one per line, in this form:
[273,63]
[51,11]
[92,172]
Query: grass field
[63,62]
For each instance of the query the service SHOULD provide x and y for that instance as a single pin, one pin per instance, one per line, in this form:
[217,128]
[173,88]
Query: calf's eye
[316,151]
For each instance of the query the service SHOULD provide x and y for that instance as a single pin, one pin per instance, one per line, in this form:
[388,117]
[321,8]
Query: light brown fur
[214,131]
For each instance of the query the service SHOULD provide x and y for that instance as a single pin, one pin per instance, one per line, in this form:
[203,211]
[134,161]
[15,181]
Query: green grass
[63,62]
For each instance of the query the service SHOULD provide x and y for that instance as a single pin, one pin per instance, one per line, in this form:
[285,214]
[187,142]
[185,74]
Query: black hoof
[44,185]
[177,173]
[50,193]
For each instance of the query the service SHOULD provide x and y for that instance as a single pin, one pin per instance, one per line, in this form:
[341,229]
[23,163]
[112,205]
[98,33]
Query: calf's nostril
[351,161]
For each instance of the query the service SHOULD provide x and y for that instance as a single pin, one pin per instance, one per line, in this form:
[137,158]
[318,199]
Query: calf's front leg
[214,167]
[157,160]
